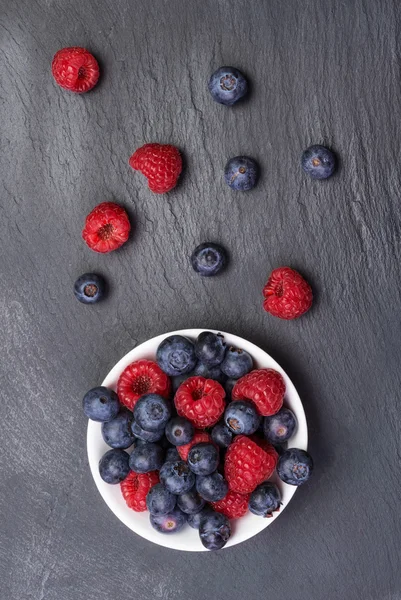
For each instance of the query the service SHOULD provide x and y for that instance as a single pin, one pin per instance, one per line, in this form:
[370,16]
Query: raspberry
[75,69]
[106,228]
[160,163]
[248,463]
[135,487]
[199,436]
[139,378]
[233,505]
[201,401]
[265,387]
[287,294]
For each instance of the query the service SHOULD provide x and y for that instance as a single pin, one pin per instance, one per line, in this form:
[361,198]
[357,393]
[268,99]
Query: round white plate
[187,538]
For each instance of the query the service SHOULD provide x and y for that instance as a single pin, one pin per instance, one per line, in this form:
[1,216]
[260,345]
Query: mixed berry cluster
[196,435]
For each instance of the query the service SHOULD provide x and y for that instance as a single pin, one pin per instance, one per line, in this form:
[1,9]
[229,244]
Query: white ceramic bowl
[187,538]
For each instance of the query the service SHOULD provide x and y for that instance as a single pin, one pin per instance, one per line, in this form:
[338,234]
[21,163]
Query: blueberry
[241,173]
[177,477]
[265,499]
[195,519]
[227,85]
[210,348]
[89,288]
[190,502]
[295,466]
[221,435]
[114,466]
[212,487]
[152,412]
[117,432]
[160,501]
[236,363]
[214,531]
[203,458]
[172,455]
[101,404]
[208,259]
[169,523]
[178,380]
[242,417]
[319,162]
[228,386]
[279,427]
[179,431]
[176,355]
[202,370]
[146,436]
[146,457]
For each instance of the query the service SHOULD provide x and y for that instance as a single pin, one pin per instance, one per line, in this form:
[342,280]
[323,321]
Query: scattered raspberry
[200,436]
[233,505]
[201,401]
[287,294]
[106,228]
[75,69]
[247,464]
[135,487]
[160,163]
[139,378]
[265,387]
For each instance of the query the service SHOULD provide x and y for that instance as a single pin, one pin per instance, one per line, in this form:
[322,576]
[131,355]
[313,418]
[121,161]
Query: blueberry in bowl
[176,355]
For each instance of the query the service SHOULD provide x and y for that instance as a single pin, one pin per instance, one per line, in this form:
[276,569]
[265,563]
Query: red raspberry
[75,69]
[247,464]
[199,436]
[135,487]
[201,401]
[160,163]
[287,294]
[266,389]
[106,228]
[233,505]
[139,378]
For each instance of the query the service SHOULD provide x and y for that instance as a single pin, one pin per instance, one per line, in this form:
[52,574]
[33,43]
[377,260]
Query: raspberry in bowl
[127,500]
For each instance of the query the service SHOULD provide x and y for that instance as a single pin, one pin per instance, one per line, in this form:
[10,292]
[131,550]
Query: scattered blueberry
[177,477]
[265,499]
[152,412]
[146,436]
[318,162]
[195,519]
[214,530]
[236,363]
[227,85]
[172,455]
[160,501]
[176,355]
[208,259]
[190,503]
[212,487]
[210,348]
[221,435]
[117,432]
[146,457]
[203,458]
[169,523]
[242,417]
[113,466]
[279,427]
[295,466]
[228,386]
[179,431]
[241,173]
[89,288]
[215,373]
[101,404]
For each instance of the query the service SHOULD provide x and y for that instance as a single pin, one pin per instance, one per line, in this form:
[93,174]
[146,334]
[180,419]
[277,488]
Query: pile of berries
[205,432]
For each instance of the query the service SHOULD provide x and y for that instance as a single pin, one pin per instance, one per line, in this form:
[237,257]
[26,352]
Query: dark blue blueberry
[169,523]
[208,259]
[319,162]
[203,458]
[221,435]
[202,370]
[210,348]
[152,412]
[228,386]
[190,503]
[146,457]
[242,417]
[212,487]
[214,531]
[241,173]
[227,85]
[195,519]
[177,477]
[179,431]
[117,432]
[279,427]
[178,380]
[89,288]
[114,466]
[172,455]
[176,355]
[265,499]
[236,363]
[101,404]
[160,501]
[295,466]
[146,436]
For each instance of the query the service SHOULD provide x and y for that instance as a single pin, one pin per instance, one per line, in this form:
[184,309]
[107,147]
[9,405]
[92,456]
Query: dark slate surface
[321,71]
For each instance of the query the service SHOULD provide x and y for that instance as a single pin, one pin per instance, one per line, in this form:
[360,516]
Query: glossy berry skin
[227,85]
[89,288]
[172,522]
[195,519]
[177,477]
[280,427]
[295,466]
[139,378]
[176,355]
[179,431]
[106,228]
[146,457]
[199,436]
[135,488]
[212,488]
[203,458]
[161,164]
[287,294]
[190,502]
[264,387]
[208,259]
[248,462]
[233,505]
[201,401]
[160,501]
[210,348]
[101,404]
[152,412]
[241,173]
[113,466]
[236,363]
[215,373]
[214,531]
[75,69]
[265,499]
[319,162]
[222,435]
[117,433]
[146,436]
[242,417]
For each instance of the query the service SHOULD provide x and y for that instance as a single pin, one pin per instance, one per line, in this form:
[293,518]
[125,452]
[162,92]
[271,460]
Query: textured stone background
[322,71]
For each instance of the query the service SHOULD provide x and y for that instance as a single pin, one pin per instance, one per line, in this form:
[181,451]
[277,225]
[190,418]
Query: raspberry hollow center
[106,231]
[279,291]
[197,394]
[141,385]
[81,73]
